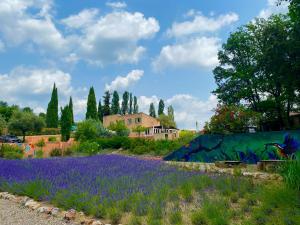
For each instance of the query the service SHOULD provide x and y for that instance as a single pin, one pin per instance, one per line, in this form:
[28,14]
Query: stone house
[154,130]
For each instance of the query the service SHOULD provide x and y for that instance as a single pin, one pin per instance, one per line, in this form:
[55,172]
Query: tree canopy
[52,109]
[91,112]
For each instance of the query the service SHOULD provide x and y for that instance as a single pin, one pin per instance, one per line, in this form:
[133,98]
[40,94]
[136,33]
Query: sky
[152,48]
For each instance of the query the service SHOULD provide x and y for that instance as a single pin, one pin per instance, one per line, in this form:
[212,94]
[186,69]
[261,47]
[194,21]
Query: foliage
[135,105]
[115,103]
[71,110]
[3,125]
[161,107]
[231,119]
[152,110]
[139,129]
[56,152]
[106,107]
[291,174]
[49,131]
[41,143]
[7,111]
[23,122]
[66,123]
[89,147]
[130,111]
[167,121]
[39,154]
[120,128]
[8,151]
[100,111]
[90,130]
[52,139]
[91,112]
[52,110]
[125,107]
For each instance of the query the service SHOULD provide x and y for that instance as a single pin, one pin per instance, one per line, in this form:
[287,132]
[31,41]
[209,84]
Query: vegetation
[115,103]
[66,123]
[167,121]
[52,139]
[135,105]
[52,110]
[152,110]
[8,151]
[161,107]
[41,143]
[100,111]
[3,124]
[106,107]
[120,128]
[71,110]
[139,129]
[125,106]
[90,130]
[291,174]
[91,112]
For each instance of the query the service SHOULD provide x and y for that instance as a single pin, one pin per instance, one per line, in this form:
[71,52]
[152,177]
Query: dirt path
[13,214]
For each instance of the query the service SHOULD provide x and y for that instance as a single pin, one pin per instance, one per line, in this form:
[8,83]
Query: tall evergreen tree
[106,107]
[66,123]
[91,112]
[125,103]
[161,107]
[52,110]
[171,113]
[115,105]
[71,110]
[130,104]
[100,111]
[152,110]
[135,105]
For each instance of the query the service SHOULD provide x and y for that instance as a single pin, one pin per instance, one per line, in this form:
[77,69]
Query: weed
[175,218]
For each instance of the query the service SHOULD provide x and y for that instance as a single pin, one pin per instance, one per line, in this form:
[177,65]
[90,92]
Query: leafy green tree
[125,107]
[27,109]
[106,107]
[90,130]
[161,107]
[115,103]
[130,104]
[166,121]
[120,128]
[232,119]
[139,129]
[3,124]
[171,113]
[7,111]
[52,110]
[66,123]
[23,122]
[91,112]
[71,109]
[135,105]
[100,111]
[152,110]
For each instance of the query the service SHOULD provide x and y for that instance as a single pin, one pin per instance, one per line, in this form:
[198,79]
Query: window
[138,120]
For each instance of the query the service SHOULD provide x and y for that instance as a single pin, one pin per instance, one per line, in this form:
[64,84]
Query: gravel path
[13,214]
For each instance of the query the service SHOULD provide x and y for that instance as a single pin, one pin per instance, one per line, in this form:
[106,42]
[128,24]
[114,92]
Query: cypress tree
[125,103]
[106,107]
[115,105]
[161,107]
[171,113]
[71,110]
[100,111]
[66,123]
[52,110]
[130,104]
[152,110]
[91,112]
[135,105]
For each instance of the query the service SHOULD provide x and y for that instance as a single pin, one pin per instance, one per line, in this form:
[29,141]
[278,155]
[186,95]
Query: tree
[66,123]
[135,105]
[7,111]
[23,122]
[106,106]
[90,130]
[130,104]
[124,109]
[120,128]
[152,110]
[27,109]
[232,119]
[171,113]
[161,107]
[91,112]
[139,129]
[52,110]
[3,124]
[166,121]
[115,103]
[71,110]
[100,111]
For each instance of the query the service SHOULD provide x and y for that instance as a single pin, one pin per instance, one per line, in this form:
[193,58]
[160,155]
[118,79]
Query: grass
[153,194]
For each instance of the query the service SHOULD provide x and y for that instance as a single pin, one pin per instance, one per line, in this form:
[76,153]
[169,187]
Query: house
[153,128]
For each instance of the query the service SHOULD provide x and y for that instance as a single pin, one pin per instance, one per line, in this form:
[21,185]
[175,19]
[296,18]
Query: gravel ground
[13,214]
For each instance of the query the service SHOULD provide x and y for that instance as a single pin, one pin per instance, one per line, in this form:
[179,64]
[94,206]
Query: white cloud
[2,46]
[273,8]
[116,5]
[84,18]
[201,52]
[188,109]
[201,24]
[122,83]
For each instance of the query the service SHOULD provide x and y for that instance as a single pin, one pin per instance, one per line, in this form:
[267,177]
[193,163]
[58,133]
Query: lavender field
[130,190]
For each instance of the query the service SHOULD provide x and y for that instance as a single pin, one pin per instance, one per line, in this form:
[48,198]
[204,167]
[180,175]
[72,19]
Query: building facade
[153,128]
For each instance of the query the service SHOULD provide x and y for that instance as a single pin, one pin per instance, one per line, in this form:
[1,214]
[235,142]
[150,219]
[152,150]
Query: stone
[44,209]
[32,204]
[54,211]
[24,200]
[97,222]
[70,214]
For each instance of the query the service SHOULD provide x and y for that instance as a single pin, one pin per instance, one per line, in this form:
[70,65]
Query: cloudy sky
[155,49]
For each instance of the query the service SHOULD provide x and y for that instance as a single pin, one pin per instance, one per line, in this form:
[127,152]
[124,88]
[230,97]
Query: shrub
[50,131]
[291,174]
[68,152]
[11,151]
[91,148]
[52,139]
[39,154]
[115,142]
[56,152]
[41,143]
[175,218]
[115,215]
[135,221]
[198,218]
[120,128]
[90,130]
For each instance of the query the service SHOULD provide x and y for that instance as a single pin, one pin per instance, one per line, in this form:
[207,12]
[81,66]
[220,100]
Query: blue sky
[155,49]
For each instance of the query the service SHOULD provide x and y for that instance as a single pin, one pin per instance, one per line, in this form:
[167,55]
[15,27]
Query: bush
[291,174]
[52,139]
[56,152]
[91,148]
[39,154]
[115,142]
[120,128]
[90,130]
[68,152]
[115,215]
[41,143]
[11,151]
